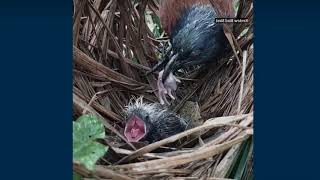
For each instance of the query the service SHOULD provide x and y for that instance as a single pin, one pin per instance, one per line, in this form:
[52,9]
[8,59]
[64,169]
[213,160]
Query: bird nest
[115,44]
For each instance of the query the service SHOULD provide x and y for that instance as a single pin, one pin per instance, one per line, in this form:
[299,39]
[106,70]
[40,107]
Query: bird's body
[151,122]
[195,36]
[172,10]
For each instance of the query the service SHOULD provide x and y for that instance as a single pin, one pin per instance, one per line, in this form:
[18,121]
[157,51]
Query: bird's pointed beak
[162,63]
[171,66]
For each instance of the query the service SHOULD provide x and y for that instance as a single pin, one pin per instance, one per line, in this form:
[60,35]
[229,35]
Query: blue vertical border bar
[36,89]
[287,89]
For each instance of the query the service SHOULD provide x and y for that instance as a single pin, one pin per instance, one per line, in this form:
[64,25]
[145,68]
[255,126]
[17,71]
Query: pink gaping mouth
[135,129]
[167,88]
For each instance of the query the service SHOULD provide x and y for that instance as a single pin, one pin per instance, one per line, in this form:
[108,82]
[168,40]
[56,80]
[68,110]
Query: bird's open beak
[135,129]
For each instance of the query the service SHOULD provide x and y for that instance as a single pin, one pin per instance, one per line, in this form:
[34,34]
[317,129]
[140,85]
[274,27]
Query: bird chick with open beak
[151,122]
[168,87]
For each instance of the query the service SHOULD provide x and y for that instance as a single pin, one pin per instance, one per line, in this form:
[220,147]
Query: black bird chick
[195,37]
[151,122]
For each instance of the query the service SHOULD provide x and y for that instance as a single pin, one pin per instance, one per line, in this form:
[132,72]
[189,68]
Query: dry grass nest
[114,47]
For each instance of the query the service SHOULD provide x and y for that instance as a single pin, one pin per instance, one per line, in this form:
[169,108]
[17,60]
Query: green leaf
[86,150]
[236,4]
[243,159]
[153,23]
[244,32]
[76,176]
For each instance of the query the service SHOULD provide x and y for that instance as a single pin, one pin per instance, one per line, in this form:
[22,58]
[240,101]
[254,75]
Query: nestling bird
[195,37]
[151,122]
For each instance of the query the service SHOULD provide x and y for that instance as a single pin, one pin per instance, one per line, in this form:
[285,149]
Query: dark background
[36,89]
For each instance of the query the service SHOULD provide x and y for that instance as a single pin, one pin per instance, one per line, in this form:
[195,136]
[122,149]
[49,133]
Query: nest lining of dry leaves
[113,48]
